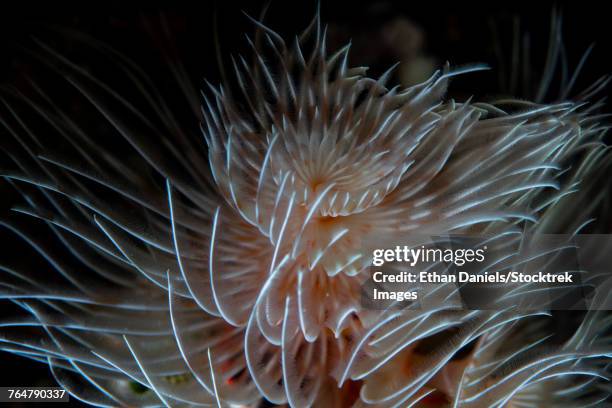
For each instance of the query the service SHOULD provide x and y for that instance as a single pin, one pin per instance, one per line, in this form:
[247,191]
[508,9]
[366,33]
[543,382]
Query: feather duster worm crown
[229,280]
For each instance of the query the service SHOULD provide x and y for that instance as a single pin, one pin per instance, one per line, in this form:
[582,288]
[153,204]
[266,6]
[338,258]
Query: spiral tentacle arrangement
[227,270]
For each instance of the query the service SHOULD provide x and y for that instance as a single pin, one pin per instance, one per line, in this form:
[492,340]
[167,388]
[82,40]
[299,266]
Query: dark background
[158,36]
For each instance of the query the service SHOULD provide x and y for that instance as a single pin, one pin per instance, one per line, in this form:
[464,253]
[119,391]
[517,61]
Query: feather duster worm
[228,280]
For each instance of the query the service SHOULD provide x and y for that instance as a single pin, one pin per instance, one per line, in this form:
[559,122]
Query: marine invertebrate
[235,277]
